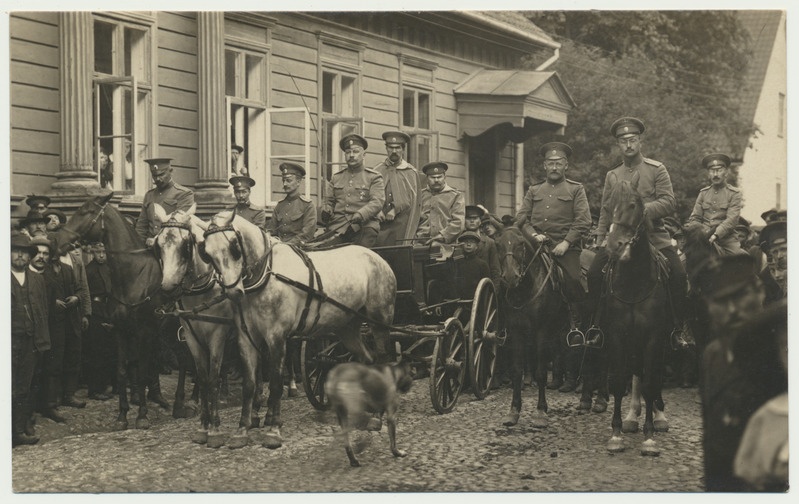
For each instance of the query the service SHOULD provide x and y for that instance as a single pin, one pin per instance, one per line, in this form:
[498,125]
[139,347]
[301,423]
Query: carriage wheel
[482,338]
[317,358]
[448,367]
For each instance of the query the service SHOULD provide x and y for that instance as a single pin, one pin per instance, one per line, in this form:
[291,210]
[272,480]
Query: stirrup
[594,337]
[575,338]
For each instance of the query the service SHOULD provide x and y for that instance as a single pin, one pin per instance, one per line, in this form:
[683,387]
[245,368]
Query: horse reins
[538,253]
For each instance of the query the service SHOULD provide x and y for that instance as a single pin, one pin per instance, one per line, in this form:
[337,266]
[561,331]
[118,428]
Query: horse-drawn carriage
[451,335]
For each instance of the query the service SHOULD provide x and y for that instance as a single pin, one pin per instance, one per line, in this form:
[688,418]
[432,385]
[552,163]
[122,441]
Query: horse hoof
[216,440]
[629,426]
[584,405]
[511,419]
[272,442]
[142,423]
[615,445]
[120,425]
[374,425]
[649,448]
[540,421]
[600,406]
[199,437]
[236,442]
[661,426]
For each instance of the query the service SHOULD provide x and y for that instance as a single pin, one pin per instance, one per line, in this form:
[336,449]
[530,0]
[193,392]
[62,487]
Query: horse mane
[127,225]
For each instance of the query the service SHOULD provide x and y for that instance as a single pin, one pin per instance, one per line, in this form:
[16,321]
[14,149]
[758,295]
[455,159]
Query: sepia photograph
[397,249]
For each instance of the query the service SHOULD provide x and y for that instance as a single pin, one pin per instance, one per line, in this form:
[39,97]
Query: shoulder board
[370,170]
[340,171]
[652,162]
[733,188]
[574,182]
[253,206]
[303,198]
[616,167]
[181,188]
[705,188]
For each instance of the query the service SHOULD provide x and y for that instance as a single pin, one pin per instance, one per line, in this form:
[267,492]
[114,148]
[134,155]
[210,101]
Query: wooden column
[76,175]
[211,190]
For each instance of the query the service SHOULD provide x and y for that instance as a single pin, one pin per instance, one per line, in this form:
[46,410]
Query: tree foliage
[681,72]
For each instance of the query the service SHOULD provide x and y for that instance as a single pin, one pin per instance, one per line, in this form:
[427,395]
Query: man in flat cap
[774,243]
[235,154]
[718,206]
[294,217]
[356,195]
[242,186]
[38,202]
[443,208]
[487,248]
[30,335]
[472,267]
[556,210]
[654,185]
[400,212]
[167,193]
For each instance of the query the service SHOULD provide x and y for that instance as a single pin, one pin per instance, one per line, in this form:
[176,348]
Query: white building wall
[763,174]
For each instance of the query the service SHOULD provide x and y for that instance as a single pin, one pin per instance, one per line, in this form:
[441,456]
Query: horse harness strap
[313,277]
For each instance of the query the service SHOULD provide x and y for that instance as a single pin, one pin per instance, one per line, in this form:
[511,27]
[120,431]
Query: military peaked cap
[468,235]
[555,150]
[474,211]
[157,164]
[240,181]
[353,139]
[435,168]
[292,168]
[396,137]
[774,233]
[627,126]
[717,159]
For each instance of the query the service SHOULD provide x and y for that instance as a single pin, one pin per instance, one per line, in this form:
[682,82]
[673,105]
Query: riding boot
[155,393]
[575,336]
[557,374]
[68,398]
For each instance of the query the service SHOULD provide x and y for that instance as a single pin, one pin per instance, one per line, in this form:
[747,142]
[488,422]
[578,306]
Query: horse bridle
[525,270]
[172,223]
[101,213]
[245,268]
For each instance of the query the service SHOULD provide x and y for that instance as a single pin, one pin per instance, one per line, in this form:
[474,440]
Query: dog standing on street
[356,391]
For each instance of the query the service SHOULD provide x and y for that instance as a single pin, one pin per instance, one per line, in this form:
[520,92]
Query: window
[417,107]
[340,117]
[123,104]
[781,116]
[246,90]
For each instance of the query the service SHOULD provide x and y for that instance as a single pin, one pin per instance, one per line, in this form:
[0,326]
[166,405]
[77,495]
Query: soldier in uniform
[356,197]
[487,248]
[443,208]
[400,212]
[774,242]
[167,193]
[718,206]
[242,186]
[654,186]
[294,217]
[730,393]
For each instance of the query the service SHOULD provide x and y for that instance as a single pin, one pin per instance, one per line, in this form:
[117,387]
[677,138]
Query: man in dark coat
[774,243]
[100,345]
[30,336]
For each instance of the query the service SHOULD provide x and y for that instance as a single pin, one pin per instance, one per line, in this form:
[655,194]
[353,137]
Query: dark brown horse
[637,319]
[532,307]
[135,293]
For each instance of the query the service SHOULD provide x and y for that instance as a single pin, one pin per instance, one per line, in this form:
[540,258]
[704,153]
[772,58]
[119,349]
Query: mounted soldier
[718,206]
[651,180]
[167,193]
[400,212]
[242,186]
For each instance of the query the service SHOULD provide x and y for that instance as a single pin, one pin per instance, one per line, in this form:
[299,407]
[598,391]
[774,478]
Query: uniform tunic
[654,186]
[174,197]
[251,212]
[361,192]
[293,220]
[718,209]
[442,215]
[402,195]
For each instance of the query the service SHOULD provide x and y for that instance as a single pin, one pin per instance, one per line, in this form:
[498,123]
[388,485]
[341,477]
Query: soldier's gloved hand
[381,216]
[356,218]
[539,238]
[561,248]
[391,214]
[149,242]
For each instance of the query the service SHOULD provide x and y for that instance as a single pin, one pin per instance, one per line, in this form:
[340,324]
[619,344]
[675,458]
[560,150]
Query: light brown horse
[274,289]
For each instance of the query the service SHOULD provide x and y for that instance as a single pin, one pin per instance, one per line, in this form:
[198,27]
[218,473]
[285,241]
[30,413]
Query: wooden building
[285,86]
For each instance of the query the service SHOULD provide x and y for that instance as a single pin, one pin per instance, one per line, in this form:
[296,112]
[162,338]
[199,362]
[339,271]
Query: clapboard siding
[187,81]
[35,97]
[35,141]
[32,119]
[22,50]
[167,58]
[38,27]
[179,118]
[34,163]
[24,72]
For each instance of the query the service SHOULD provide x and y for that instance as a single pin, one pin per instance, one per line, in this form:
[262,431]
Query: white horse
[281,299]
[190,279]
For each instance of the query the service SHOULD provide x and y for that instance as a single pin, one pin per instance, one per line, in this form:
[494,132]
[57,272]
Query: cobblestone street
[466,450]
